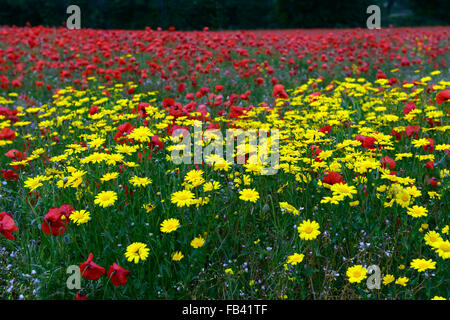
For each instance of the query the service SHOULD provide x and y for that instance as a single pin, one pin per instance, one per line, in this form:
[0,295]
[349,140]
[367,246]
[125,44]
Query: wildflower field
[90,123]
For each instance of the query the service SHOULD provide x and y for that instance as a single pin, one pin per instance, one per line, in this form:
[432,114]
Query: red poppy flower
[397,135]
[190,107]
[174,128]
[9,174]
[7,225]
[181,87]
[80,296]
[388,162]
[237,112]
[412,130]
[332,178]
[15,154]
[7,134]
[433,182]
[141,109]
[315,152]
[54,223]
[432,122]
[156,142]
[124,129]
[367,142]
[66,210]
[381,75]
[93,110]
[393,81]
[168,102]
[410,106]
[325,129]
[90,270]
[442,97]
[429,165]
[430,146]
[118,275]
[278,92]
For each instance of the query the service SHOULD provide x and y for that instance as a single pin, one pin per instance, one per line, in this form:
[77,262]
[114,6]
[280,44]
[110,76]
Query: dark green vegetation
[228,14]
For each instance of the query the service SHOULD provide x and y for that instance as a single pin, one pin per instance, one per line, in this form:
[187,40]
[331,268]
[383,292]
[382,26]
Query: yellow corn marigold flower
[141,134]
[182,198]
[308,230]
[295,258]
[249,195]
[289,208]
[247,179]
[445,229]
[109,176]
[113,158]
[140,182]
[417,211]
[148,207]
[210,186]
[432,237]
[413,191]
[131,164]
[95,143]
[34,183]
[403,198]
[80,217]
[105,198]
[438,298]
[442,248]
[123,148]
[333,200]
[356,274]
[420,142]
[343,189]
[196,182]
[421,264]
[211,159]
[402,281]
[137,251]
[177,256]
[229,271]
[194,175]
[170,225]
[198,242]
[222,165]
[96,157]
[433,195]
[201,201]
[388,279]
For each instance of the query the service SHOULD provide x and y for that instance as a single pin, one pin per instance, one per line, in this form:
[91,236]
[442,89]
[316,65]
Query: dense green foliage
[219,14]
